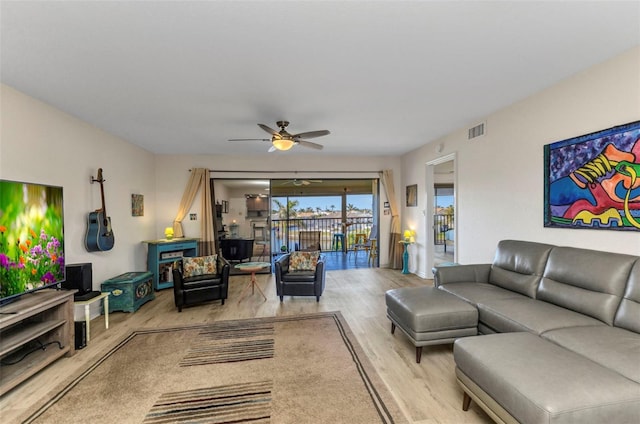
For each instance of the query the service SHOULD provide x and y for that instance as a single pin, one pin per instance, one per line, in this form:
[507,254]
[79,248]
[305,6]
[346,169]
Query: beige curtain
[395,252]
[207,234]
[199,179]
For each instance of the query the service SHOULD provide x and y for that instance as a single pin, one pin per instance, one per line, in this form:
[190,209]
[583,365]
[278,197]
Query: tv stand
[38,319]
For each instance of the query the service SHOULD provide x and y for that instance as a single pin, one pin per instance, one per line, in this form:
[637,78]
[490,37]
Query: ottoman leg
[418,354]
[466,401]
[393,328]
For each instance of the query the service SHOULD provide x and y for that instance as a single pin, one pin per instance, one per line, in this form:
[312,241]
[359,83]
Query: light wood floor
[427,392]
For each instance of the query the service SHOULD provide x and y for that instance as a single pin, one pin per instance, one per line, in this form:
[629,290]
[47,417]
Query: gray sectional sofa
[560,334]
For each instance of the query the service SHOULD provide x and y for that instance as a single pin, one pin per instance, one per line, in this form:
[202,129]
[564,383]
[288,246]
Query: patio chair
[309,241]
[368,244]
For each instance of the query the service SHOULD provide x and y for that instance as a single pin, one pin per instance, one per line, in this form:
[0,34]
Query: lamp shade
[407,234]
[282,143]
[168,233]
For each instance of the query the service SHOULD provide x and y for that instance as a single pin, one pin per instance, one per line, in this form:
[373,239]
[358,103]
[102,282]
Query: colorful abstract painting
[593,181]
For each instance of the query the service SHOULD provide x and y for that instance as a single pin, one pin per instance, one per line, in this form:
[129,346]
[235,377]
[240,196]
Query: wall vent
[477,131]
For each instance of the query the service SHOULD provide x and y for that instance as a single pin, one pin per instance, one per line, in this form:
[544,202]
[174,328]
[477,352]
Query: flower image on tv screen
[31,237]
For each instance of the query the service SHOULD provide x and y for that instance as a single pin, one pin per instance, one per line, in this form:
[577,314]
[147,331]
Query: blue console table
[163,253]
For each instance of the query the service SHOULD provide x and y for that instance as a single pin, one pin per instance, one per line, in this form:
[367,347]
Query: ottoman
[430,316]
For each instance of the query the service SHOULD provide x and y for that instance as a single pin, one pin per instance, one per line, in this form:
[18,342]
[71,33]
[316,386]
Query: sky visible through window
[360,201]
[444,201]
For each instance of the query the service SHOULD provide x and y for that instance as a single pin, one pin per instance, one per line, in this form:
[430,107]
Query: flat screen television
[31,238]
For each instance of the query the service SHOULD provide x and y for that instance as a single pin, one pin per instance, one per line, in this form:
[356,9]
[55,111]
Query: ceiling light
[283,143]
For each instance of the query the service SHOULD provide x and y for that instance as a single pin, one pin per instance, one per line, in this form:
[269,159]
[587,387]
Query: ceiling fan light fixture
[283,143]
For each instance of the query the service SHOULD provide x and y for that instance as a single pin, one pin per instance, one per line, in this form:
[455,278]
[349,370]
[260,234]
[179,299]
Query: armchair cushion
[303,261]
[199,265]
[201,281]
[299,276]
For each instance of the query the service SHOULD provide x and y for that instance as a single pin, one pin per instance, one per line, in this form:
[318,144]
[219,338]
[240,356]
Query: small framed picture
[137,205]
[412,195]
[225,206]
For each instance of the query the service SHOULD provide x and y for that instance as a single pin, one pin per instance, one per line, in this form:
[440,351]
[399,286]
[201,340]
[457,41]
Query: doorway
[272,212]
[441,213]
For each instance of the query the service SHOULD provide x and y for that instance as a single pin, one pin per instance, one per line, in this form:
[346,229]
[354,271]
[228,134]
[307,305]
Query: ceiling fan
[283,140]
[296,182]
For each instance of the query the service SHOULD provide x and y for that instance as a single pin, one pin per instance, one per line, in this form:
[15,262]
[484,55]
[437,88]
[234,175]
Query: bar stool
[373,251]
[338,237]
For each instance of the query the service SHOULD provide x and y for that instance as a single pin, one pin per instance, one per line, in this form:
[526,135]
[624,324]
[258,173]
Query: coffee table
[252,267]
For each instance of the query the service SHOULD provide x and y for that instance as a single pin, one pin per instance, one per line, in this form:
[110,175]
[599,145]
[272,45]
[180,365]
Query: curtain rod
[294,172]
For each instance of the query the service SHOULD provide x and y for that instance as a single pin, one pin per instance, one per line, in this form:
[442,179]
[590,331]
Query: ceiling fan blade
[305,182]
[249,139]
[310,144]
[269,130]
[272,149]
[312,134]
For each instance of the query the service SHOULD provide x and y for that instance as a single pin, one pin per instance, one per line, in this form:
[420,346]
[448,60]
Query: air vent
[477,131]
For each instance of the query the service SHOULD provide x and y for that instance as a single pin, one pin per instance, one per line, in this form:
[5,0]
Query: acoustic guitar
[99,235]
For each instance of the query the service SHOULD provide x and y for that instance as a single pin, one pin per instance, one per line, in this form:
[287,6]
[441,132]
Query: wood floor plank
[427,392]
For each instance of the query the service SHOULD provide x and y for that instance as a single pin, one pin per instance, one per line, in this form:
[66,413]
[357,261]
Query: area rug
[297,369]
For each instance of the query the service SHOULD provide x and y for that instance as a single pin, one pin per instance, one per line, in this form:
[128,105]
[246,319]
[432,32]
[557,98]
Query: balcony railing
[284,232]
[442,223]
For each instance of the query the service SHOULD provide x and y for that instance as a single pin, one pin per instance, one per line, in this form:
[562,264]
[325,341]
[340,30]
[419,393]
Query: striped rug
[248,402]
[295,369]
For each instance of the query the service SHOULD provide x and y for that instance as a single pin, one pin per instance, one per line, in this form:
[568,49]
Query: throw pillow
[303,261]
[199,265]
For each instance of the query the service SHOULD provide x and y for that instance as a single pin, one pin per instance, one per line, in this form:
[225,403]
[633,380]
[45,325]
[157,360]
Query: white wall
[500,176]
[41,144]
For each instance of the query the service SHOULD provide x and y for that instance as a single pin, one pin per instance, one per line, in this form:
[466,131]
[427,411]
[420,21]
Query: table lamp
[409,236]
[168,233]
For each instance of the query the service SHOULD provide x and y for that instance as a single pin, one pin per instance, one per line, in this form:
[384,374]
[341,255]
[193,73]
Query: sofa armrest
[178,287]
[223,269]
[477,273]
[281,267]
[320,274]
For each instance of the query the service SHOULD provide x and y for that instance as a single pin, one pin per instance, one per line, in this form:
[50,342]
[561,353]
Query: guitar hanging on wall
[99,235]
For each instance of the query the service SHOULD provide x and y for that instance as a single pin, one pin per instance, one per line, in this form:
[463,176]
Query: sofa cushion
[628,314]
[539,382]
[518,266]
[529,315]
[303,261]
[587,281]
[615,348]
[199,265]
[475,293]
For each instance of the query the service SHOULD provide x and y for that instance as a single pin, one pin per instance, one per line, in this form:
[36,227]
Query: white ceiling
[384,77]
